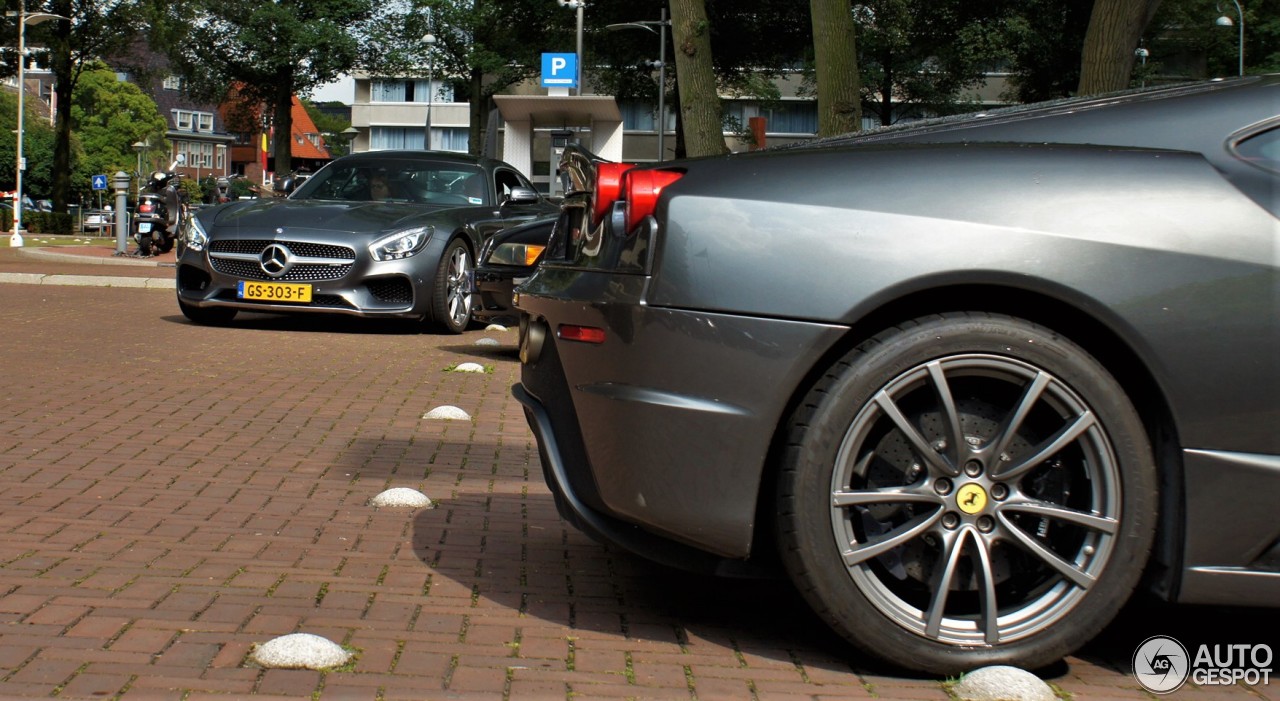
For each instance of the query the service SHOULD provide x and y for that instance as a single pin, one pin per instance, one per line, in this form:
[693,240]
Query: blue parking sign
[559,70]
[99,182]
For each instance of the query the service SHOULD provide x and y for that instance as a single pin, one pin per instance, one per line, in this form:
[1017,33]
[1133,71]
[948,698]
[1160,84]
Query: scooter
[157,224]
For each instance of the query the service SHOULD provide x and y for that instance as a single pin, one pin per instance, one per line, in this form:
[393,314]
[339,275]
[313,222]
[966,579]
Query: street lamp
[430,39]
[1225,21]
[576,5]
[24,18]
[140,147]
[662,71]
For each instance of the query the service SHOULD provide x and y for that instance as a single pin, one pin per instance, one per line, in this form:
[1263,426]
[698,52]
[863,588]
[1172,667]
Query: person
[379,188]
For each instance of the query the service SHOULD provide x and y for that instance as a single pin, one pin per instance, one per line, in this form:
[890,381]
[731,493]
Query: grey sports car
[389,234]
[969,383]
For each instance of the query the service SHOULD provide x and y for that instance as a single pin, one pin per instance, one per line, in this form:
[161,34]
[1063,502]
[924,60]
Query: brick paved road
[175,494]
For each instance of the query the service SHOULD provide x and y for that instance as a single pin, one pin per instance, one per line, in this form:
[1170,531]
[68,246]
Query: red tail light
[608,187]
[585,334]
[144,207]
[642,190]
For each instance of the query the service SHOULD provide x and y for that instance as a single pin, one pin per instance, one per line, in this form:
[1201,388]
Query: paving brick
[162,556]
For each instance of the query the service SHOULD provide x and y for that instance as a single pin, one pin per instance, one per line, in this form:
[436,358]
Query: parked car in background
[970,381]
[98,221]
[506,260]
[385,234]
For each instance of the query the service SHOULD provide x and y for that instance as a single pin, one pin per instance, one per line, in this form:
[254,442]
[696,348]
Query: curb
[94,260]
[88,280]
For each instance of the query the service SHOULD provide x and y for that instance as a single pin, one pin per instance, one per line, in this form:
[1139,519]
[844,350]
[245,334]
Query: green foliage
[1185,40]
[269,50]
[110,116]
[917,57]
[37,147]
[330,126]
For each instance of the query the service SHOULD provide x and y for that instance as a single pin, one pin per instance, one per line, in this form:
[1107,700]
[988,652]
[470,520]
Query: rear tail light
[608,187]
[585,334]
[144,207]
[642,190]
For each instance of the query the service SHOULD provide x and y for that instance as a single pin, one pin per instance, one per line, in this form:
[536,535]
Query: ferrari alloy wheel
[452,302]
[967,490]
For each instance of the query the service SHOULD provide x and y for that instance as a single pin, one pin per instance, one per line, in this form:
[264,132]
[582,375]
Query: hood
[266,218]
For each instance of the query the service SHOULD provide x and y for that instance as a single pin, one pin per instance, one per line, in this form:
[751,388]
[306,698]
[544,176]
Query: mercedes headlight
[401,244]
[197,238]
[521,254]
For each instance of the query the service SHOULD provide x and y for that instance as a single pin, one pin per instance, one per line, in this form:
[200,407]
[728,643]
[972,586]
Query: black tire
[144,245]
[207,316]
[450,301]
[164,244]
[1048,524]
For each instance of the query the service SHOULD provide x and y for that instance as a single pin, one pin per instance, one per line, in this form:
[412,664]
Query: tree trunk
[1115,29]
[283,120]
[475,136]
[700,113]
[63,80]
[839,98]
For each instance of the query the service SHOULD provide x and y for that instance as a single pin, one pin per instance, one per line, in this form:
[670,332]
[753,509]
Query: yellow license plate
[274,291]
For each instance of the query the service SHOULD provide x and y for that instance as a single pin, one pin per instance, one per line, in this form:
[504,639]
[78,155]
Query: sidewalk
[90,265]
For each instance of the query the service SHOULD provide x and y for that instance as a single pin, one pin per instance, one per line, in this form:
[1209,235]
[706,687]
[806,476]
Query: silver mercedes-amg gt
[969,382]
[390,234]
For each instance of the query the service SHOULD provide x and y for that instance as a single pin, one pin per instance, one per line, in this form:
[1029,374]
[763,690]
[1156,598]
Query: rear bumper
[666,423]
[604,528]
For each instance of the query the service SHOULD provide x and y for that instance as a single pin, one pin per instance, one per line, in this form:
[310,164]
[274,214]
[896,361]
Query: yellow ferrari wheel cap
[971,498]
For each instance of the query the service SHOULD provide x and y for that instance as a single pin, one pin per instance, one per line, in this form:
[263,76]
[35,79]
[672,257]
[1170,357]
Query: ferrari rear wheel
[451,302]
[966,490]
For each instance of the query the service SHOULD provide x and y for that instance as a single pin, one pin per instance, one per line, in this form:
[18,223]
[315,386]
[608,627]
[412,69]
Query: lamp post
[430,40]
[662,71]
[1225,21]
[140,147]
[24,18]
[577,5]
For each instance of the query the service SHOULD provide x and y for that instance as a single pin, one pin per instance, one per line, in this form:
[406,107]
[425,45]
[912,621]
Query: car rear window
[1262,150]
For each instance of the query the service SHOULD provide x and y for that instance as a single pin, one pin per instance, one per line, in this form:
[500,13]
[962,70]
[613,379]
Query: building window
[799,117]
[173,82]
[442,138]
[184,120]
[410,90]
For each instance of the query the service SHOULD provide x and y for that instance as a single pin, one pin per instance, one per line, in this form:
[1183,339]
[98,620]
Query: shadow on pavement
[515,552]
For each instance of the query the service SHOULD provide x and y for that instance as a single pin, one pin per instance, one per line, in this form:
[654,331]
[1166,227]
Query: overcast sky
[343,90]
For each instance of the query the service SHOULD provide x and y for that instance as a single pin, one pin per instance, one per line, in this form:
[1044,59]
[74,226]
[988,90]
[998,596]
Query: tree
[37,146]
[1185,40]
[835,53]
[1115,28]
[485,46]
[110,116]
[330,126]
[700,113]
[268,50]
[98,28]
[918,58]
[1045,37]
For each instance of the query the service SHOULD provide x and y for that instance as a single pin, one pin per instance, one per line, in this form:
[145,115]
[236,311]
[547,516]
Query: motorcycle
[157,223]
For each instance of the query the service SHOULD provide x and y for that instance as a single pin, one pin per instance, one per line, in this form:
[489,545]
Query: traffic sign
[559,70]
[99,182]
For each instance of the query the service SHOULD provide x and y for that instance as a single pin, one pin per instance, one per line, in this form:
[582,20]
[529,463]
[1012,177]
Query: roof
[551,111]
[302,146]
